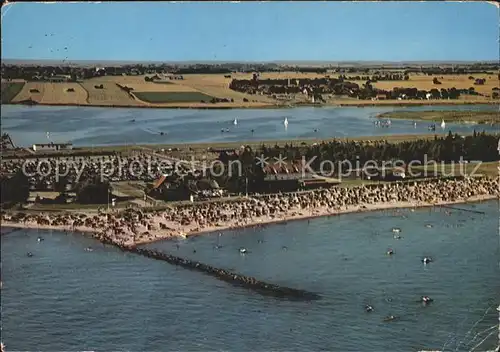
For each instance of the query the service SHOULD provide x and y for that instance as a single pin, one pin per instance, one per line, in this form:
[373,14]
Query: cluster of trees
[495,93]
[452,148]
[220,100]
[93,191]
[14,188]
[414,93]
[375,78]
[479,146]
[390,77]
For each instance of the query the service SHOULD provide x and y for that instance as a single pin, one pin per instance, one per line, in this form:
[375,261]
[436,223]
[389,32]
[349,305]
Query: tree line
[449,148]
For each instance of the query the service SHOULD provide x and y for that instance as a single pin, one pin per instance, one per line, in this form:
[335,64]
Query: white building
[52,146]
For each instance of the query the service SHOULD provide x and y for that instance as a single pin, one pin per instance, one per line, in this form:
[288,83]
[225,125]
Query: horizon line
[283,62]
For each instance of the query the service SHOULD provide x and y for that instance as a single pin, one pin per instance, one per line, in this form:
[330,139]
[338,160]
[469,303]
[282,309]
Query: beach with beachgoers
[225,191]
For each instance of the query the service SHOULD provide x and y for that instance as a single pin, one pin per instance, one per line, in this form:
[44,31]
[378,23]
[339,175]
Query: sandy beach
[135,226]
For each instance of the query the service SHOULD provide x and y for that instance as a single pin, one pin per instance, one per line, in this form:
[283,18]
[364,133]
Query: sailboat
[443,125]
[285,122]
[235,122]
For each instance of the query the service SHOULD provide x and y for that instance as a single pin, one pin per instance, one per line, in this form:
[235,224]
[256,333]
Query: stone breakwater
[230,277]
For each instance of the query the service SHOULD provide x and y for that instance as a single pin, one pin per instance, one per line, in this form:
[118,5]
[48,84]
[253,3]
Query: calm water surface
[111,126]
[66,299]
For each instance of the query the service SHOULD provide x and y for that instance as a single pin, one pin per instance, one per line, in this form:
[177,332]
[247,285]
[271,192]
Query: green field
[172,97]
[10,90]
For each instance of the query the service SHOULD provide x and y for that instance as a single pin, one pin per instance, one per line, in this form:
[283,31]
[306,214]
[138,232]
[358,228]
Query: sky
[265,31]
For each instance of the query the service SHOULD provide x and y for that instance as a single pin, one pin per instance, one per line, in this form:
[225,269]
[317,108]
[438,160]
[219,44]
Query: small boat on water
[443,125]
[285,122]
[235,122]
[39,239]
[243,250]
[390,318]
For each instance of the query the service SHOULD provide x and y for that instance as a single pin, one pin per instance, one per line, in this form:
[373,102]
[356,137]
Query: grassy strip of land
[489,169]
[194,148]
[172,97]
[481,117]
[10,90]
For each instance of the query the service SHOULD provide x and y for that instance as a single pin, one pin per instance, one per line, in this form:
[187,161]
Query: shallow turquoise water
[64,298]
[111,126]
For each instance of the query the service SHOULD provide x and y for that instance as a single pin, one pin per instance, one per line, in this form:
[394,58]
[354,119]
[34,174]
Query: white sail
[443,125]
[285,122]
[235,122]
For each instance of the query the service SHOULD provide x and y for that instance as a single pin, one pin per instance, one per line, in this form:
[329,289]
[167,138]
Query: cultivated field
[206,87]
[53,93]
[447,81]
[9,90]
[218,86]
[172,97]
[110,94]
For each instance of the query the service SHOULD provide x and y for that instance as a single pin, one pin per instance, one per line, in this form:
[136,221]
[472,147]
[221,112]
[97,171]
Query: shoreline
[451,116]
[269,106]
[259,221]
[353,209]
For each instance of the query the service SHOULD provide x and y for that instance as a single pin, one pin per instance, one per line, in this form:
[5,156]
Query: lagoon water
[111,126]
[66,299]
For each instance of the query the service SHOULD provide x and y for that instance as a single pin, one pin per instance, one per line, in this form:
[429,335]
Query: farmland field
[110,94]
[447,81]
[172,97]
[53,93]
[10,90]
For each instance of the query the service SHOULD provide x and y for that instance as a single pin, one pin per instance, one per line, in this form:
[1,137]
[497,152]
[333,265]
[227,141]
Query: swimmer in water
[426,299]
[391,318]
[426,260]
